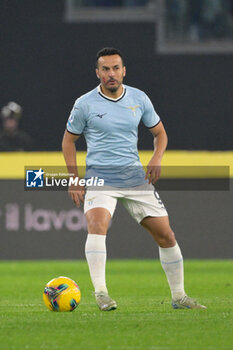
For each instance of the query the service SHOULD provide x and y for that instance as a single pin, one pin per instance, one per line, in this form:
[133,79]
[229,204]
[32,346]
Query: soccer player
[108,116]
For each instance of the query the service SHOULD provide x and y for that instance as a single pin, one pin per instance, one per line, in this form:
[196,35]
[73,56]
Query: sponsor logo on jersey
[100,115]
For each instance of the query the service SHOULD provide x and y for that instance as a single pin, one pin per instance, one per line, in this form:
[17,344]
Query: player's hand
[77,194]
[153,170]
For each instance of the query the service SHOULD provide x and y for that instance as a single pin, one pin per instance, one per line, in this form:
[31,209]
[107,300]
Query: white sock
[95,250]
[172,262]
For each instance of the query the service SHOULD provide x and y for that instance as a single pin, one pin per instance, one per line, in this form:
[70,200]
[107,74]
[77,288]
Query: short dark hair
[108,51]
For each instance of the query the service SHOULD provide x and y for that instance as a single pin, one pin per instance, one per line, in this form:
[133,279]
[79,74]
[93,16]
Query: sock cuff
[94,237]
[170,254]
[95,243]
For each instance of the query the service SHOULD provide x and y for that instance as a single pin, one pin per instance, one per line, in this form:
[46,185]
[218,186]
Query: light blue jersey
[110,127]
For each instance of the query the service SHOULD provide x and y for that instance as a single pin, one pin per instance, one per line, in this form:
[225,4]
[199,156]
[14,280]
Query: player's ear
[124,71]
[97,73]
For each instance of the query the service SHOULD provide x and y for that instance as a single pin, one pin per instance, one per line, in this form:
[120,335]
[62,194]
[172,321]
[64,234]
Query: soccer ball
[61,294]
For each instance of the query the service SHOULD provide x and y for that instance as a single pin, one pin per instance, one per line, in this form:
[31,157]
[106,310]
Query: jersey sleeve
[149,118]
[76,121]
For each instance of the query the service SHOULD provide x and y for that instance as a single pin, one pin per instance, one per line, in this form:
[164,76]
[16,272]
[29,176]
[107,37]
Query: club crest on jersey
[133,109]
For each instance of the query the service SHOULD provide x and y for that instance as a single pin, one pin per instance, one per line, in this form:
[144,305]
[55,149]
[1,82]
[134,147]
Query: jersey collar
[109,98]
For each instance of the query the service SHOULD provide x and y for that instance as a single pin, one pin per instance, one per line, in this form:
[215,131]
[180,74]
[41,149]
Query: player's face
[111,73]
[10,124]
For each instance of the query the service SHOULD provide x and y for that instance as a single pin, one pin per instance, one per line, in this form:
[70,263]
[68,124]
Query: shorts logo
[90,200]
[35,178]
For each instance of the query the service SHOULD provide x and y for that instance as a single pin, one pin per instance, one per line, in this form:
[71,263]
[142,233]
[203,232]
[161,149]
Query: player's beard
[113,89]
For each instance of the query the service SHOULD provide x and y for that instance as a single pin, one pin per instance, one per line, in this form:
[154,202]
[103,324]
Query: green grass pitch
[144,319]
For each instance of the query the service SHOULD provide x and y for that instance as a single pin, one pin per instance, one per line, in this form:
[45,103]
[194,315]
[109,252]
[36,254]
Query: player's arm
[69,151]
[160,144]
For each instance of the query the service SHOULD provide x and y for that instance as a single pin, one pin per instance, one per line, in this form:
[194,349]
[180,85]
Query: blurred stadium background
[179,52]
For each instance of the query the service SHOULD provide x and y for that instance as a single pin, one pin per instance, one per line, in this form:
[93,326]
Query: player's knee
[167,238]
[98,221]
[96,226]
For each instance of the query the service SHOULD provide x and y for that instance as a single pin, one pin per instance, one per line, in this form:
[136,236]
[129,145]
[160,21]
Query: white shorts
[140,201]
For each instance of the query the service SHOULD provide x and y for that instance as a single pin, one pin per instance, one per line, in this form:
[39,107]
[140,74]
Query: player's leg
[160,230]
[147,208]
[171,260]
[95,249]
[169,251]
[98,219]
